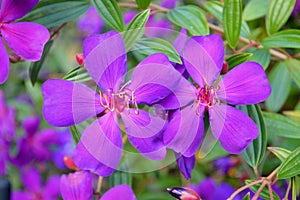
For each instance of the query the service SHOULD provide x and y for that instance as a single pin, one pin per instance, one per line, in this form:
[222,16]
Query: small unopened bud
[80,59]
[183,193]
[224,68]
[70,163]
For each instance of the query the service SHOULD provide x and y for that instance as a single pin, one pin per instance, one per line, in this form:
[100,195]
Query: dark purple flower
[67,103]
[128,16]
[77,186]
[35,145]
[26,39]
[296,9]
[90,23]
[224,164]
[34,188]
[185,164]
[245,84]
[119,192]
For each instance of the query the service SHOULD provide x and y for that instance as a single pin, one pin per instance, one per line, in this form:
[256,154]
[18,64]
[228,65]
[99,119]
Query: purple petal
[67,103]
[185,131]
[232,127]
[26,39]
[247,83]
[17,195]
[31,125]
[7,120]
[51,190]
[223,191]
[128,16]
[169,3]
[105,58]
[99,142]
[90,22]
[185,164]
[180,40]
[153,79]
[77,186]
[203,57]
[3,156]
[145,133]
[31,180]
[4,63]
[206,188]
[15,9]
[120,192]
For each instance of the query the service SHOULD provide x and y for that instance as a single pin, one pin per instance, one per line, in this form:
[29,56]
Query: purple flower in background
[209,190]
[245,84]
[90,22]
[77,186]
[35,145]
[185,164]
[26,39]
[7,131]
[224,164]
[34,189]
[119,192]
[296,9]
[67,103]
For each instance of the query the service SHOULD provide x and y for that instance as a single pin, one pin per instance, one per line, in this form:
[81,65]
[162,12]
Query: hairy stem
[243,188]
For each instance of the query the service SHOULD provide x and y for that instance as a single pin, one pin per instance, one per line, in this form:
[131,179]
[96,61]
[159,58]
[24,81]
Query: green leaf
[135,29]
[278,13]
[51,13]
[232,21]
[291,166]
[262,56]
[264,193]
[285,39]
[190,17]
[247,196]
[118,178]
[35,67]
[237,59]
[281,126]
[256,9]
[293,67]
[281,153]
[148,46]
[294,114]
[143,4]
[77,74]
[295,187]
[75,134]
[280,89]
[255,152]
[110,13]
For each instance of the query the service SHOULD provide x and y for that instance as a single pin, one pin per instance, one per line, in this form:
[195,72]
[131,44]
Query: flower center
[206,96]
[119,101]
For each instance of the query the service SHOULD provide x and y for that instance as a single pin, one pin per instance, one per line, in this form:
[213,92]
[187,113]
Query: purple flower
[7,132]
[119,192]
[209,190]
[77,186]
[35,145]
[224,164]
[185,164]
[67,103]
[34,189]
[26,39]
[90,22]
[296,9]
[245,84]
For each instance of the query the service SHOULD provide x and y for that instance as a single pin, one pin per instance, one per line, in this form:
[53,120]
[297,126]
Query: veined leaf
[281,153]
[143,4]
[278,13]
[295,187]
[293,114]
[237,59]
[247,196]
[256,9]
[280,125]
[232,21]
[264,193]
[35,67]
[190,17]
[262,56]
[135,29]
[75,134]
[293,66]
[290,166]
[110,13]
[148,46]
[255,152]
[77,74]
[118,178]
[284,39]
[281,83]
[51,13]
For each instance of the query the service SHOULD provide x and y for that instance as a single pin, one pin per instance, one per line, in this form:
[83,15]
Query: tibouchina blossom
[26,39]
[67,103]
[247,83]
